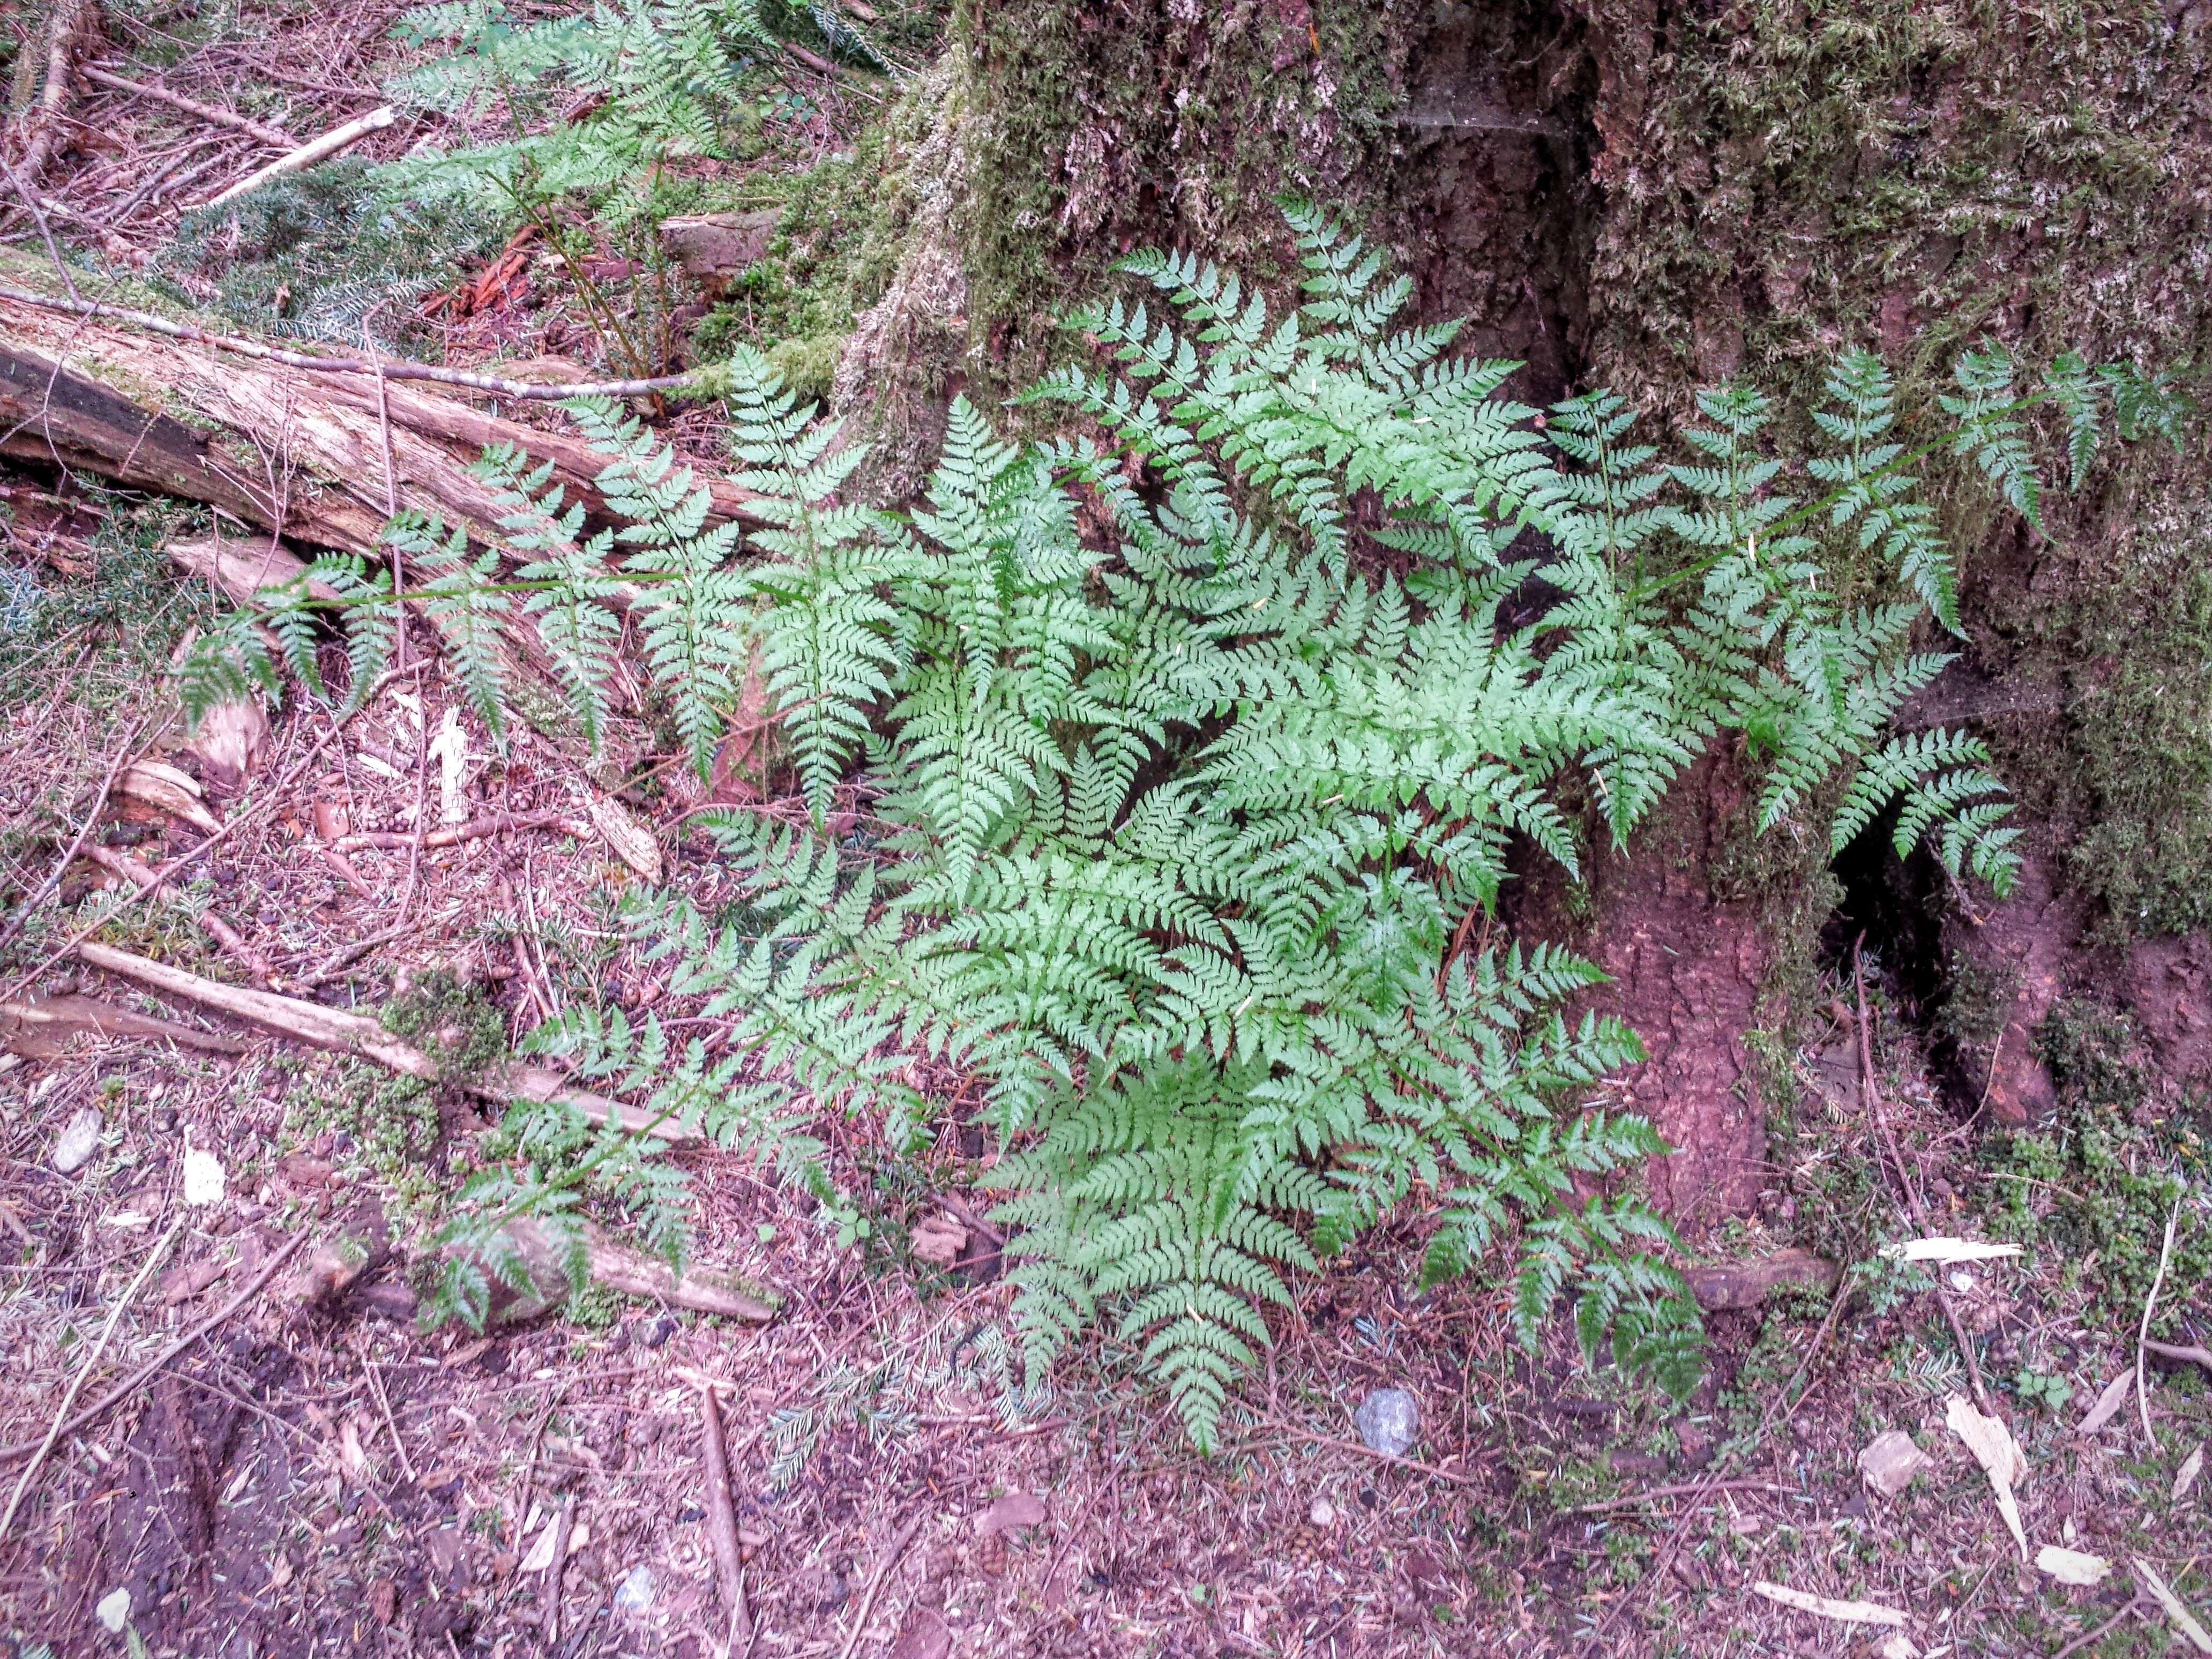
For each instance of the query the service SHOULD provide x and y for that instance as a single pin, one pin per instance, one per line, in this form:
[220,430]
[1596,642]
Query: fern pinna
[1153,787]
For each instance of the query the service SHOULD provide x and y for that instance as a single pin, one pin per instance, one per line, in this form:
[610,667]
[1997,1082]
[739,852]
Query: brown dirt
[1687,968]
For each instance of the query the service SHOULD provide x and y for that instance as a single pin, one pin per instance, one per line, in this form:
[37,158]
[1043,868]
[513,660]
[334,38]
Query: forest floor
[298,1466]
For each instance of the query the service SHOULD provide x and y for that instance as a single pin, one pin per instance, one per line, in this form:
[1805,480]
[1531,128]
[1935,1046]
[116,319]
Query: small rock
[78,1142]
[634,1594]
[654,1334]
[1891,1462]
[1323,1514]
[1388,1420]
[114,1610]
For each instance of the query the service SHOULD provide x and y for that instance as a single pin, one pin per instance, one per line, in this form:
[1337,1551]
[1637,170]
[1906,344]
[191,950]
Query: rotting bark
[298,453]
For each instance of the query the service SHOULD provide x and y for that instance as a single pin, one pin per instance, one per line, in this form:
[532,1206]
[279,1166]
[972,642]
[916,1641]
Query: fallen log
[297,450]
[337,1029]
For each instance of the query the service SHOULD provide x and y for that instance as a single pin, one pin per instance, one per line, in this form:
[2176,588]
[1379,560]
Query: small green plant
[2050,1392]
[452,1021]
[2096,1187]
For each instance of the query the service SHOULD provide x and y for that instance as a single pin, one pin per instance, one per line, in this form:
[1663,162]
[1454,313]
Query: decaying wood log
[297,452]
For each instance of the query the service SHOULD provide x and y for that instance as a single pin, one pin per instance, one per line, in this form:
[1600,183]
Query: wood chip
[1014,1510]
[541,1552]
[1999,1454]
[1852,1613]
[938,1241]
[633,843]
[161,786]
[2072,1566]
[1943,1251]
[2108,1404]
[1891,1461]
[2184,1621]
[2191,1467]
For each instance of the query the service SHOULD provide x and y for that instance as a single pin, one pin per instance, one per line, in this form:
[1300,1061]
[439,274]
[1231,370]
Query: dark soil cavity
[1496,185]
[1898,906]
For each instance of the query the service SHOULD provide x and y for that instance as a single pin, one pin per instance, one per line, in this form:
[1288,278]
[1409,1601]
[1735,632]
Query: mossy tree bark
[1654,196]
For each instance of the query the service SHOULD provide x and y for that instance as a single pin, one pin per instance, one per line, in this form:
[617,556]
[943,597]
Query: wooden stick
[722,1511]
[2195,1355]
[494,823]
[274,137]
[876,1581]
[2142,1331]
[314,150]
[136,1380]
[77,1383]
[55,1019]
[349,1033]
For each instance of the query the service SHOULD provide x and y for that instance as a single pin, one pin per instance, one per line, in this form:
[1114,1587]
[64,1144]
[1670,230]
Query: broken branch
[216,116]
[315,149]
[318,1027]
[721,1510]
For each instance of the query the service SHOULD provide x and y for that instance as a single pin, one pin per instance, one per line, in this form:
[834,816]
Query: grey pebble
[78,1142]
[1388,1421]
[634,1592]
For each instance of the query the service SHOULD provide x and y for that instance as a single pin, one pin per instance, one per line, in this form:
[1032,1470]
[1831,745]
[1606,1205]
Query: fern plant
[594,100]
[1168,773]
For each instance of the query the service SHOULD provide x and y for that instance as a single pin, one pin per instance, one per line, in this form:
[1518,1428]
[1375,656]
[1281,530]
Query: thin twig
[91,820]
[2142,1331]
[1870,1087]
[77,1383]
[1687,1489]
[39,217]
[162,875]
[875,1582]
[355,952]
[2134,1609]
[222,931]
[699,382]
[136,1380]
[1363,1450]
[209,113]
[376,1388]
[1844,1288]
